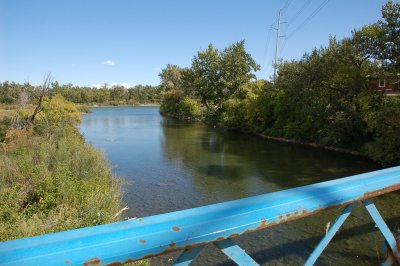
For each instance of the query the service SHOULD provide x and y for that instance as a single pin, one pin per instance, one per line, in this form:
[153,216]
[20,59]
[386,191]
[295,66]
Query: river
[171,165]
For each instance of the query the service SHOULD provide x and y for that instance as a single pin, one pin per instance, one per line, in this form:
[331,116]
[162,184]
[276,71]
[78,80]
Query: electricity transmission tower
[278,28]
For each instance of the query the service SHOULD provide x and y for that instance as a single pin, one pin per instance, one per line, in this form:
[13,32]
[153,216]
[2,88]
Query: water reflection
[237,165]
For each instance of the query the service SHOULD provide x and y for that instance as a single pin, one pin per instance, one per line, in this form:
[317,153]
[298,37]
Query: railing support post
[329,235]
[234,252]
[187,256]
[387,234]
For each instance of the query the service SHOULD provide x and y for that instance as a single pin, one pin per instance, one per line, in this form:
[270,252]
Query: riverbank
[314,145]
[51,180]
[369,127]
[280,139]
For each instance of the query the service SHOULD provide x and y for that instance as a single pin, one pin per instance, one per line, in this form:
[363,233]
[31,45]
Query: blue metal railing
[191,229]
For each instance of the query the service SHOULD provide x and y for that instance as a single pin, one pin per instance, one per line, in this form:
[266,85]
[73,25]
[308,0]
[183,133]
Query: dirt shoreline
[314,145]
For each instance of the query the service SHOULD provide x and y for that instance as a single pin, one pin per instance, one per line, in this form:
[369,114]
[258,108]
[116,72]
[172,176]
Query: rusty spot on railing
[398,243]
[142,241]
[67,262]
[176,228]
[263,221]
[381,191]
[93,261]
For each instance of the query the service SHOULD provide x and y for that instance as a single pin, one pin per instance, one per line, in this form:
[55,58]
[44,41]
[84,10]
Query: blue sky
[88,42]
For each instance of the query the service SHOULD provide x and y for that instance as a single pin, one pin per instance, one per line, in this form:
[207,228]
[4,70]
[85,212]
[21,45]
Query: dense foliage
[323,98]
[50,179]
[12,93]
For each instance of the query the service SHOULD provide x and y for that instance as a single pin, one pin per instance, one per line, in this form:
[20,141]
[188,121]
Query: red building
[383,84]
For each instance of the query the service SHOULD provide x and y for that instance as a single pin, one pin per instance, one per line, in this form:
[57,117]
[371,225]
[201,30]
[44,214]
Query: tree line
[323,98]
[12,93]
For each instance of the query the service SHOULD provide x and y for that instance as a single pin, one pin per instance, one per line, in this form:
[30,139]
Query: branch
[120,212]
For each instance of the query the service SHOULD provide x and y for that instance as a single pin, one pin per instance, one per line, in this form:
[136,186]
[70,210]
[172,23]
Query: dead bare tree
[40,93]
[23,99]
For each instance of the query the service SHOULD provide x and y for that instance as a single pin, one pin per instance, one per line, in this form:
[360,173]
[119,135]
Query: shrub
[170,102]
[174,103]
[383,122]
[234,113]
[4,125]
[188,107]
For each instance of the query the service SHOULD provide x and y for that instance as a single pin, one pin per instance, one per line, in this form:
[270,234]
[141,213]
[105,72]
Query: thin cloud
[109,63]
[125,85]
[112,84]
[97,86]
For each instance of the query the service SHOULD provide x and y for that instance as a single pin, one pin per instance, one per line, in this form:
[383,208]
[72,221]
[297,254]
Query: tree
[237,68]
[118,93]
[58,112]
[202,78]
[215,76]
[363,45]
[170,77]
[40,93]
[390,47]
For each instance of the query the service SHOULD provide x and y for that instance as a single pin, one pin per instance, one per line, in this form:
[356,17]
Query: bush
[188,107]
[58,111]
[175,104]
[234,113]
[259,106]
[170,102]
[4,125]
[84,109]
[383,121]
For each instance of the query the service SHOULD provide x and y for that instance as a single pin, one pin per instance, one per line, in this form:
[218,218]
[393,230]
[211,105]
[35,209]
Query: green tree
[215,76]
[202,79]
[390,47]
[170,77]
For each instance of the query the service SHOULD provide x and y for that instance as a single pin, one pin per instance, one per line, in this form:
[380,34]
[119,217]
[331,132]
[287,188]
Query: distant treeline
[10,92]
[321,98]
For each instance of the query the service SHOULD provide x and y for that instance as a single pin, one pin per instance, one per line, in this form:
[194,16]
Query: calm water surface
[171,165]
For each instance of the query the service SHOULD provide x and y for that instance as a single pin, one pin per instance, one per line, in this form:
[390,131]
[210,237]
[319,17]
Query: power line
[311,16]
[268,41]
[283,45]
[287,4]
[301,10]
[298,13]
[267,45]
